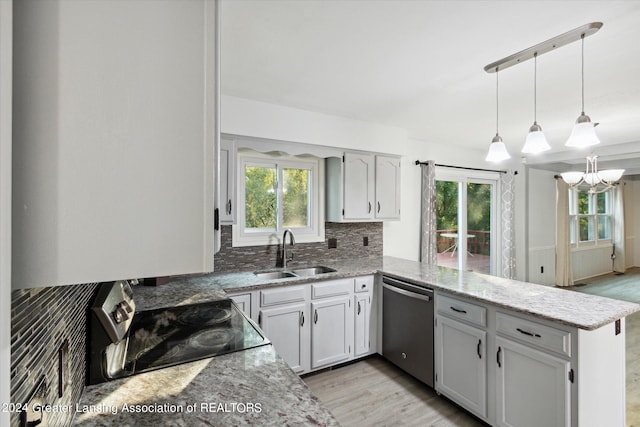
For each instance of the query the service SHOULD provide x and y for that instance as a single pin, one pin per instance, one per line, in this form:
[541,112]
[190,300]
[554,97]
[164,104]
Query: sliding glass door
[466,223]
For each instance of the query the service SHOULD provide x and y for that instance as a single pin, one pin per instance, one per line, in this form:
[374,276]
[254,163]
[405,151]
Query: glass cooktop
[169,336]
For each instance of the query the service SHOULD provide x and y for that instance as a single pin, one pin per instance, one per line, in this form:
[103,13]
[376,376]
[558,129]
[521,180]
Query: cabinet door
[243,301]
[362,308]
[387,187]
[461,366]
[331,331]
[358,186]
[113,140]
[532,387]
[287,328]
[227,189]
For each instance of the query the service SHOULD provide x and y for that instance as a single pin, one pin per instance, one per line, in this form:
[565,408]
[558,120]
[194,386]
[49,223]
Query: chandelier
[593,180]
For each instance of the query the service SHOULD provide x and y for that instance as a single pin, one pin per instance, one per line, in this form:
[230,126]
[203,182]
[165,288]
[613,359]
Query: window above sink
[277,192]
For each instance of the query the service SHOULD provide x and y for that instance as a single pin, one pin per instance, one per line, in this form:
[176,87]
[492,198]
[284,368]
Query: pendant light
[497,149]
[536,142]
[583,133]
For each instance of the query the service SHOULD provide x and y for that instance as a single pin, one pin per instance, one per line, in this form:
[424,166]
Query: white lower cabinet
[312,325]
[287,328]
[331,331]
[243,301]
[532,387]
[461,364]
[362,330]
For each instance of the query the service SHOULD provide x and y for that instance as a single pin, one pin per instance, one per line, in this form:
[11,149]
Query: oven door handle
[407,293]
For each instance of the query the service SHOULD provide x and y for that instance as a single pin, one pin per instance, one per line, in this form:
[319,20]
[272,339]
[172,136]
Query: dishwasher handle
[410,287]
[407,293]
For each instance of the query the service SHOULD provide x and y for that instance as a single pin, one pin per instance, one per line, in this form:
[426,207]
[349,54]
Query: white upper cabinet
[227,186]
[387,187]
[358,191]
[358,186]
[115,116]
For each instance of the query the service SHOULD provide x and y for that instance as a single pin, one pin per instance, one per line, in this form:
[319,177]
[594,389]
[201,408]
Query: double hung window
[590,217]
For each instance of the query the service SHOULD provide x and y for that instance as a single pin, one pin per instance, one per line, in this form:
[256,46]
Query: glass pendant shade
[591,178]
[595,181]
[583,133]
[572,178]
[497,150]
[536,142]
[611,175]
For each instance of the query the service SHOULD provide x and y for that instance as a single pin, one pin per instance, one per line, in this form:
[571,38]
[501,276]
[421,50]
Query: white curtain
[428,238]
[507,207]
[564,270]
[619,264]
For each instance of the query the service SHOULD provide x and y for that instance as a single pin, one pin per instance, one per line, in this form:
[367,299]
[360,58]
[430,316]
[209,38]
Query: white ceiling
[419,65]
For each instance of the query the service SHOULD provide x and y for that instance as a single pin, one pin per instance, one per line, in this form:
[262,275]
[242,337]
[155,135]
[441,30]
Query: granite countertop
[229,389]
[571,308]
[205,287]
[574,309]
[250,387]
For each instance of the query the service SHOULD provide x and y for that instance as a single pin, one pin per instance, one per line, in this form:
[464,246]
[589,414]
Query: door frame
[476,177]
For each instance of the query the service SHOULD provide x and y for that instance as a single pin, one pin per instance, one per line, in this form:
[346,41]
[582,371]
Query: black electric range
[124,342]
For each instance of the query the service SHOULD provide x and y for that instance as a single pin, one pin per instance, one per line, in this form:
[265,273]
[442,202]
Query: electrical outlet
[63,367]
[365,241]
[333,243]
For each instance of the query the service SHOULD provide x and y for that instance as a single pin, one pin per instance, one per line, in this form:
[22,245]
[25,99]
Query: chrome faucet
[285,256]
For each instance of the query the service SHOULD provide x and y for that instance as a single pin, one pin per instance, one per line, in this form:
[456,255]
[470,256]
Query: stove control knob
[120,315]
[126,306]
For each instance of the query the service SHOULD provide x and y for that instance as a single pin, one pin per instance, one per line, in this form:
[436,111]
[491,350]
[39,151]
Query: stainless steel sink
[312,271]
[267,275]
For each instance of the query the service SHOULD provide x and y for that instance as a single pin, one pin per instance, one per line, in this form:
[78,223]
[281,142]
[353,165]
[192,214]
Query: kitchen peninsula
[587,335]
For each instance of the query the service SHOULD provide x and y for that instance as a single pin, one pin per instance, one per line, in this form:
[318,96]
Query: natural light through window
[590,217]
[276,193]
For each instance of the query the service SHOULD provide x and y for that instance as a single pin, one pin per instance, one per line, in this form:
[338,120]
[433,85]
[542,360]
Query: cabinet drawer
[363,284]
[332,288]
[549,338]
[282,295]
[463,310]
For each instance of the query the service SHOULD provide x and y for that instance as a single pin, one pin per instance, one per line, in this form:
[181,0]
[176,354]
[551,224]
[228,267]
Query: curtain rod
[418,162]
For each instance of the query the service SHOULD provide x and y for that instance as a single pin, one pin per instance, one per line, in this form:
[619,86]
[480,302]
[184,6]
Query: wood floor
[375,393]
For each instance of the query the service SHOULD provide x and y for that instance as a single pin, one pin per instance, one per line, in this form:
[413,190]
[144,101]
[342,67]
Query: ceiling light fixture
[583,133]
[536,142]
[497,149]
[592,180]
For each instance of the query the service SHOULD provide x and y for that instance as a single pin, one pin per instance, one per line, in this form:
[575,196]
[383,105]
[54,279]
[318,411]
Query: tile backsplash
[349,239]
[41,320]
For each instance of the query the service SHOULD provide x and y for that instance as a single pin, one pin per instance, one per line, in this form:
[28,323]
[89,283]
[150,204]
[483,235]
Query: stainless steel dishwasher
[407,327]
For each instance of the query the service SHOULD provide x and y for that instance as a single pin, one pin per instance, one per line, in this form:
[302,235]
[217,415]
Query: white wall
[401,238]
[246,117]
[633,218]
[6,31]
[587,262]
[541,227]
